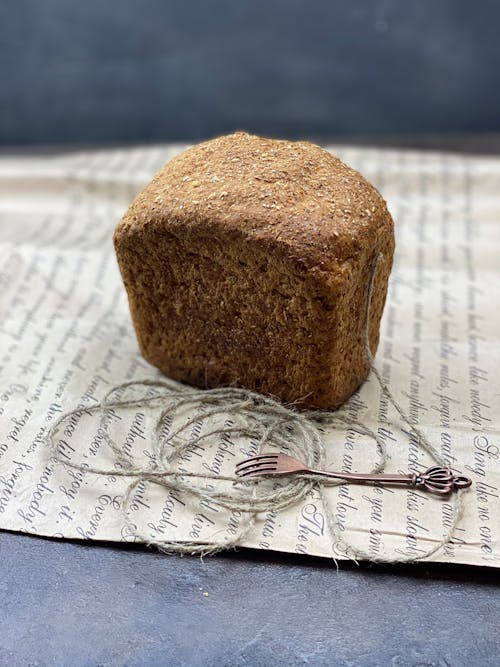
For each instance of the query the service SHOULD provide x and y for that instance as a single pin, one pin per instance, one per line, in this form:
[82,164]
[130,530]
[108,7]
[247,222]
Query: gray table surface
[84,604]
[66,603]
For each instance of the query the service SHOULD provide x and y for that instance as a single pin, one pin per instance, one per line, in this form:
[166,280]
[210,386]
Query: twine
[269,425]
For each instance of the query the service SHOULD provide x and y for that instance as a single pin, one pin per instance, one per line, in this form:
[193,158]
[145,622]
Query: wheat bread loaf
[247,262]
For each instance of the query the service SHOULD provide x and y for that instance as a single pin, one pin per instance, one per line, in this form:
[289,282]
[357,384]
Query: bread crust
[247,263]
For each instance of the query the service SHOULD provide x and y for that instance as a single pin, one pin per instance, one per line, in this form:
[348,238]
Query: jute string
[240,413]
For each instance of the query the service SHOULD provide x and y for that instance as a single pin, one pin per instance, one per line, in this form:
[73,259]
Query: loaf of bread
[247,262]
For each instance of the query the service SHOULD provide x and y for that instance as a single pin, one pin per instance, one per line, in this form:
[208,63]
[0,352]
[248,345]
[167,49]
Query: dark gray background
[139,70]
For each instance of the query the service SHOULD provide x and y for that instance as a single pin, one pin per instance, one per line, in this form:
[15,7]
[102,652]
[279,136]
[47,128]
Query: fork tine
[258,457]
[252,462]
[255,472]
[269,465]
[256,460]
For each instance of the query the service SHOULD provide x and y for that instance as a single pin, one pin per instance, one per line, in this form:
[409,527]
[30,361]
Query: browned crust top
[293,193]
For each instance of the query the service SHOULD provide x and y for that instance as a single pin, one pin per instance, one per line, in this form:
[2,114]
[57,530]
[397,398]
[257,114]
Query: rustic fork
[437,479]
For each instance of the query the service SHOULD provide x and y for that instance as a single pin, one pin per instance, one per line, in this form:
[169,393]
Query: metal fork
[437,479]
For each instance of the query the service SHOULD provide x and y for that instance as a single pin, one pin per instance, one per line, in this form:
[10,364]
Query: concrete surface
[79,604]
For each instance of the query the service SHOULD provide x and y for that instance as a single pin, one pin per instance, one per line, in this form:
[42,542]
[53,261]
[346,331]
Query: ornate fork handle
[436,479]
